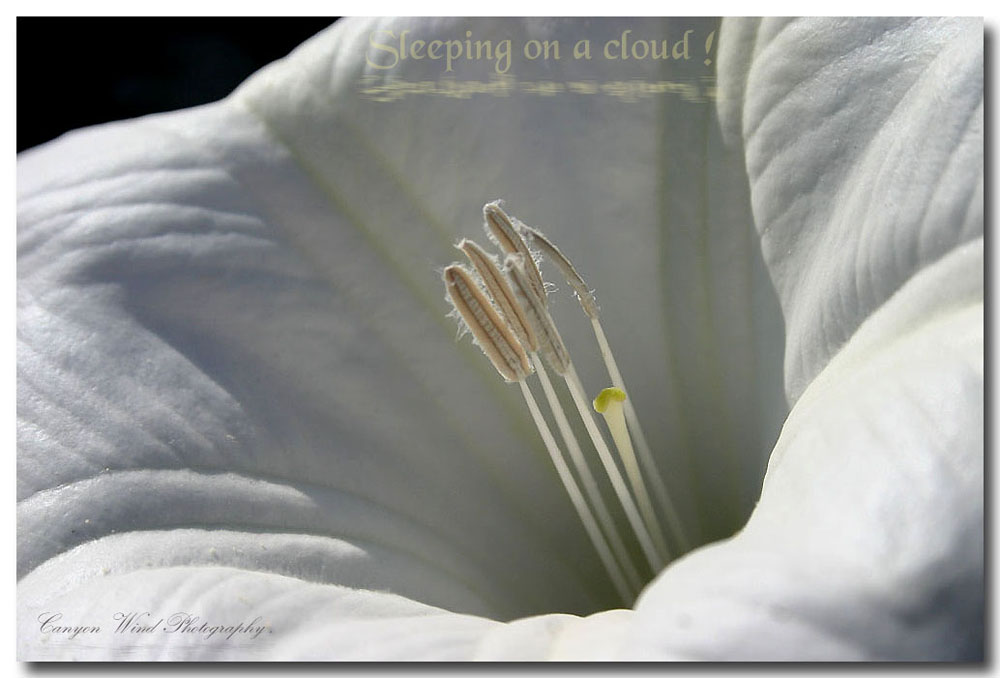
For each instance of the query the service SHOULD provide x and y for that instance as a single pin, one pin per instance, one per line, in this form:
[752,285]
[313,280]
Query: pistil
[645,453]
[509,358]
[513,307]
[576,498]
[513,334]
[609,403]
[583,471]
[555,353]
[655,559]
[589,304]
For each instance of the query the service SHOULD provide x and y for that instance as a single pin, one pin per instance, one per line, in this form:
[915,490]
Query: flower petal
[231,333]
[184,365]
[865,167]
[867,542]
[227,340]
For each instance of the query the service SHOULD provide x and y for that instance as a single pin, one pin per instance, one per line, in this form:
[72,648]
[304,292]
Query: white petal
[218,369]
[864,167]
[213,304]
[867,542]
[303,620]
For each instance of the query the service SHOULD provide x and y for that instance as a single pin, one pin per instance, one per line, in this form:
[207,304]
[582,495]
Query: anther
[491,333]
[583,292]
[501,230]
[550,344]
[503,296]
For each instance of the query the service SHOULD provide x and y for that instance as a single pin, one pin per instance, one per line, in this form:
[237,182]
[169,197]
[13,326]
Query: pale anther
[503,296]
[491,333]
[583,292]
[501,229]
[550,344]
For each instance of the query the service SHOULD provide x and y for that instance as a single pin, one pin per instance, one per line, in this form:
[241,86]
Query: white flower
[239,397]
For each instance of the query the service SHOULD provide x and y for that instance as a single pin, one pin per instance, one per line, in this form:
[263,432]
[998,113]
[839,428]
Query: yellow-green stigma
[605,397]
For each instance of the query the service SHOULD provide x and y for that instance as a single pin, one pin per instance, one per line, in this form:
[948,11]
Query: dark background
[73,72]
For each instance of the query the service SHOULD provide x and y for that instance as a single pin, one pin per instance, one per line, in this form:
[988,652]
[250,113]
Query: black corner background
[74,72]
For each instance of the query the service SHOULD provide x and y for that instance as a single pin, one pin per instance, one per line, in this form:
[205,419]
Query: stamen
[590,307]
[520,324]
[586,517]
[583,293]
[609,403]
[501,229]
[491,333]
[550,344]
[501,292]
